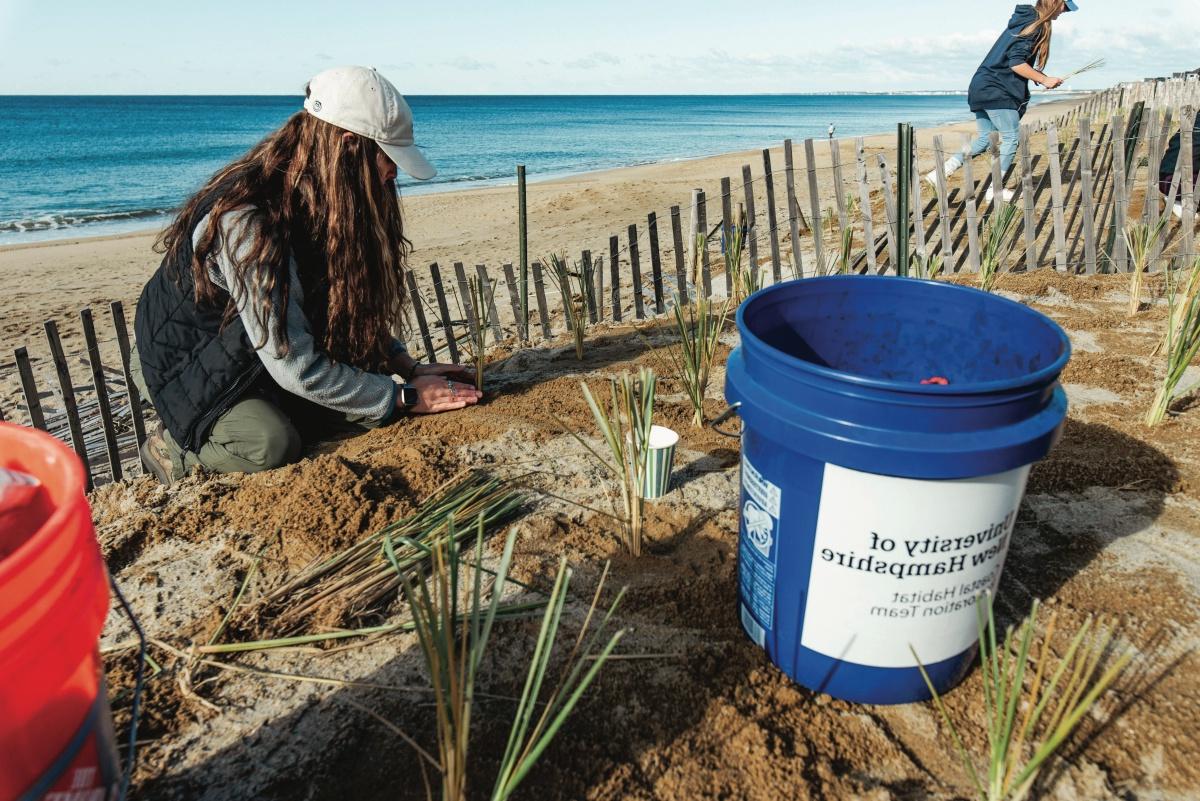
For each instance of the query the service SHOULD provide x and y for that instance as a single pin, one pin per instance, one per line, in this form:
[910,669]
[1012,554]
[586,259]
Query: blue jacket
[995,85]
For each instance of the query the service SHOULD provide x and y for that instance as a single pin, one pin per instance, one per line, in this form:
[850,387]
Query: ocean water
[73,166]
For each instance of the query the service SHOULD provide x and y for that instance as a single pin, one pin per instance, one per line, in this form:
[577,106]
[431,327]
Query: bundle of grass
[454,632]
[481,296]
[999,233]
[744,278]
[924,265]
[1142,241]
[699,325]
[1025,727]
[359,581]
[839,263]
[573,285]
[625,427]
[1181,343]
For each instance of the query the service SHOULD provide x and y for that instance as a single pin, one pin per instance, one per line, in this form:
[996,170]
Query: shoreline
[416,190]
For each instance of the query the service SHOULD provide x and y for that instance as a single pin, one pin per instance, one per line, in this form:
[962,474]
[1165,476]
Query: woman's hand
[457,372]
[1052,83]
[437,393]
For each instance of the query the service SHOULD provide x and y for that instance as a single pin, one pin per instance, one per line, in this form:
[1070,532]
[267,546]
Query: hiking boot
[158,459]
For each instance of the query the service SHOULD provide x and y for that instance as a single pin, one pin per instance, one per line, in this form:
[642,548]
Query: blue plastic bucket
[874,508]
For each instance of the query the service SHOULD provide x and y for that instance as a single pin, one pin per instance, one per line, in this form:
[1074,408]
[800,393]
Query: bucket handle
[715,423]
[135,709]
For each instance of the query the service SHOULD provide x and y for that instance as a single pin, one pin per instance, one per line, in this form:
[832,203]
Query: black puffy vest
[195,369]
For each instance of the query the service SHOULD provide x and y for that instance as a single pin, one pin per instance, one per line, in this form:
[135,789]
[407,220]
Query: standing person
[832,129]
[281,284]
[999,92]
[1170,161]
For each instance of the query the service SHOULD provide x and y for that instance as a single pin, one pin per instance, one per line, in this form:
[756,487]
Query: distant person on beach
[270,320]
[1170,162]
[999,92]
[832,130]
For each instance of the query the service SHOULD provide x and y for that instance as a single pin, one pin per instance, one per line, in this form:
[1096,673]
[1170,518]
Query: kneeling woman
[273,311]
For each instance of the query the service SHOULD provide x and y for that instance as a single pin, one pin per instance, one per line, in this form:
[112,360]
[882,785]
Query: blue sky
[561,46]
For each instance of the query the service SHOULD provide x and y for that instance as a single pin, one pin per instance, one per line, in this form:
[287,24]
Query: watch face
[408,395]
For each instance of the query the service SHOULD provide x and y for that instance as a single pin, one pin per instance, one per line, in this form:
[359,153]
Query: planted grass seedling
[481,296]
[839,263]
[573,285]
[699,325]
[625,427]
[1025,727]
[1181,343]
[998,236]
[1142,240]
[454,616]
[744,278]
[923,265]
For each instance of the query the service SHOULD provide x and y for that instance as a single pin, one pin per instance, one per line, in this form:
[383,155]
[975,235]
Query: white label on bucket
[899,562]
[757,551]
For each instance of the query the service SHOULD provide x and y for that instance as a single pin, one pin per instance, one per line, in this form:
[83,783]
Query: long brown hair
[1041,30]
[315,194]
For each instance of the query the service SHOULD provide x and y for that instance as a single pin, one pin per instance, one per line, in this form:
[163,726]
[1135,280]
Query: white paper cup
[658,462]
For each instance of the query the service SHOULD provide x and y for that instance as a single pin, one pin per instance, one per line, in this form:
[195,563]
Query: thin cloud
[468,64]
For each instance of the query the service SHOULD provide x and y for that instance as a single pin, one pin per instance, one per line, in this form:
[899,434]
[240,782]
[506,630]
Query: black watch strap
[409,396]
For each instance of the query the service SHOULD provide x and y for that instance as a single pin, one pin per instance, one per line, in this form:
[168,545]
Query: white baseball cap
[364,102]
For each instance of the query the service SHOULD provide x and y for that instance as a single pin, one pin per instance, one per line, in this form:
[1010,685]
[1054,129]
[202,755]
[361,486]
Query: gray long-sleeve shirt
[305,370]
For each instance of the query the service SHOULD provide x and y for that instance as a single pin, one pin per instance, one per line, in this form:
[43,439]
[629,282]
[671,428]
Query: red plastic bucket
[56,739]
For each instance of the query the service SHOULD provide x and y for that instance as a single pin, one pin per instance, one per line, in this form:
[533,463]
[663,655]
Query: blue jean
[1008,123]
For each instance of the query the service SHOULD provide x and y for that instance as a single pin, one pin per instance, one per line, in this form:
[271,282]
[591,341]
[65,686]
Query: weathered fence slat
[464,294]
[680,266]
[439,292]
[702,222]
[772,219]
[655,263]
[514,300]
[635,267]
[727,225]
[793,208]
[589,284]
[68,399]
[864,202]
[1187,191]
[1027,192]
[614,266]
[481,275]
[889,207]
[814,202]
[998,199]
[969,198]
[33,403]
[101,388]
[539,289]
[1087,200]
[422,324]
[918,212]
[939,167]
[1120,197]
[131,390]
[1060,231]
[751,233]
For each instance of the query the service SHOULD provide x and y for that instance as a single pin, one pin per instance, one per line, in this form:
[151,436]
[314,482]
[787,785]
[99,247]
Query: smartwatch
[408,396]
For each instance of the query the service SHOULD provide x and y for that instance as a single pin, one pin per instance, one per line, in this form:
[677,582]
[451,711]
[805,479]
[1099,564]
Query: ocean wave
[51,222]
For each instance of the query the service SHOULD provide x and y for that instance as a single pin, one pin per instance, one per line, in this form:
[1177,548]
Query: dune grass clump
[480,296]
[574,284]
[838,263]
[1032,699]
[744,277]
[999,233]
[1181,342]
[699,326]
[625,426]
[924,265]
[1142,240]
[453,617]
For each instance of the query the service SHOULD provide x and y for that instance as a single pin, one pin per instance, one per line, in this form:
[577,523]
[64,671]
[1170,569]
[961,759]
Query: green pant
[256,433]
